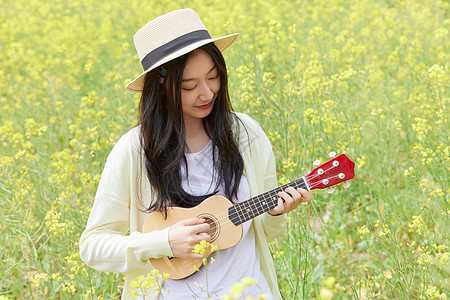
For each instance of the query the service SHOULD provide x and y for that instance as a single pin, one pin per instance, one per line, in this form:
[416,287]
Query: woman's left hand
[289,200]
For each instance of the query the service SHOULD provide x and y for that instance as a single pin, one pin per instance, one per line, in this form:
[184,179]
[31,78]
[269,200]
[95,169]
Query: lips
[206,106]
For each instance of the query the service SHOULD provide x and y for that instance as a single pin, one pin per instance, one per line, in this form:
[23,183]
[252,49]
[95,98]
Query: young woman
[188,145]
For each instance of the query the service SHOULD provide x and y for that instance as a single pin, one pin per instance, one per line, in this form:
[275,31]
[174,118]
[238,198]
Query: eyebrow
[189,79]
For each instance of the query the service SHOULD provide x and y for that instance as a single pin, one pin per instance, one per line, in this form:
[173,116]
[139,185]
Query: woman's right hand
[184,235]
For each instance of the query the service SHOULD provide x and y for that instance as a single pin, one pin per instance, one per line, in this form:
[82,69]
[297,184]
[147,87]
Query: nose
[206,94]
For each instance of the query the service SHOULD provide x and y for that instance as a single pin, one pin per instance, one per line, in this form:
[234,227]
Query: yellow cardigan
[117,209]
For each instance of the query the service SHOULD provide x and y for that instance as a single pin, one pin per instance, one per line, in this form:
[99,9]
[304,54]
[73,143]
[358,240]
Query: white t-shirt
[232,264]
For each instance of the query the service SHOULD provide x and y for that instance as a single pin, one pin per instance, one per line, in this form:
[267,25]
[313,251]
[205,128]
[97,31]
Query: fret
[247,210]
[239,213]
[299,183]
[295,184]
[251,205]
[273,197]
[234,216]
[245,215]
[263,203]
[258,205]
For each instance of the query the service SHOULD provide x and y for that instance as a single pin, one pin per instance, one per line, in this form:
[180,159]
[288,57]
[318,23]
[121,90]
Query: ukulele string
[228,225]
[273,198]
[224,216]
[231,225]
[310,177]
[299,183]
[306,177]
[313,185]
[317,183]
[254,205]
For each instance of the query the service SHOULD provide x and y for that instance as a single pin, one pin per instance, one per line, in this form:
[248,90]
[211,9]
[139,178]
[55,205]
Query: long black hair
[163,136]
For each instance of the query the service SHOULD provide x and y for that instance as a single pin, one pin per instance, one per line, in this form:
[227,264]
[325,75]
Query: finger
[306,196]
[191,221]
[190,243]
[295,194]
[279,209]
[204,236]
[195,256]
[291,197]
[196,229]
[197,239]
[286,198]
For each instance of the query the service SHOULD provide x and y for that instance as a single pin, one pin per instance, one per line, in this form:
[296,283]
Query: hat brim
[222,43]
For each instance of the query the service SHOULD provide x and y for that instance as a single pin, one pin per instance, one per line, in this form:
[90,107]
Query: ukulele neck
[260,204]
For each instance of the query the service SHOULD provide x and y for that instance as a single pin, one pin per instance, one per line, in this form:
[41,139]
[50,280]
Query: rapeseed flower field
[365,78]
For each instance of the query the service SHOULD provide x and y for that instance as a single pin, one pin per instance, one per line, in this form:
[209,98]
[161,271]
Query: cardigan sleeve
[105,245]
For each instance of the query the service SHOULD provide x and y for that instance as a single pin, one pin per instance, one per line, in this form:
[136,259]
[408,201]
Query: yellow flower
[416,225]
[237,288]
[204,248]
[384,231]
[408,171]
[437,73]
[248,281]
[433,293]
[363,231]
[360,162]
[38,278]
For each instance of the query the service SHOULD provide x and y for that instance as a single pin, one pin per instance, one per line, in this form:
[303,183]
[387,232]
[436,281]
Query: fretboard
[258,205]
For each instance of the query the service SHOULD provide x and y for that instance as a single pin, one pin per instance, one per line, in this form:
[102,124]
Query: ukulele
[225,218]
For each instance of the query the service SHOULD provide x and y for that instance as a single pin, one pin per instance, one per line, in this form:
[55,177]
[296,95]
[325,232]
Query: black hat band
[173,46]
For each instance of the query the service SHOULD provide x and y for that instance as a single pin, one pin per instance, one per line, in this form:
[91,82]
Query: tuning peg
[346,185]
[332,154]
[316,163]
[330,191]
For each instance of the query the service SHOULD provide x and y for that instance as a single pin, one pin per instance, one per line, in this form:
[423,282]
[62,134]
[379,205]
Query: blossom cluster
[365,78]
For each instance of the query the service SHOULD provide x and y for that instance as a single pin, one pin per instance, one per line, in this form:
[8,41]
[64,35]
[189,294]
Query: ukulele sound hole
[214,225]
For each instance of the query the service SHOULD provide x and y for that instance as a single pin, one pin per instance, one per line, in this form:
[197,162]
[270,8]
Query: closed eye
[189,89]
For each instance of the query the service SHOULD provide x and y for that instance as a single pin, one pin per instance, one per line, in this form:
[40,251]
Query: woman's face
[199,88]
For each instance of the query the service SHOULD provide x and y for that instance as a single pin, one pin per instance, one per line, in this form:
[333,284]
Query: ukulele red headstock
[334,171]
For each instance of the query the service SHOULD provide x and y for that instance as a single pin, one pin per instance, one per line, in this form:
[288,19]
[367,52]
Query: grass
[365,78]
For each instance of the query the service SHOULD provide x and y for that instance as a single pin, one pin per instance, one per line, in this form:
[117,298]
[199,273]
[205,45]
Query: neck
[193,126]
[196,136]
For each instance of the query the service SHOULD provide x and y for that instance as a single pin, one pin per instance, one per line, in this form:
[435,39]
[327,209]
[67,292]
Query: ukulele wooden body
[224,234]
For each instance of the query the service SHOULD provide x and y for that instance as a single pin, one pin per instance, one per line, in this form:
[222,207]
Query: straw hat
[170,36]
